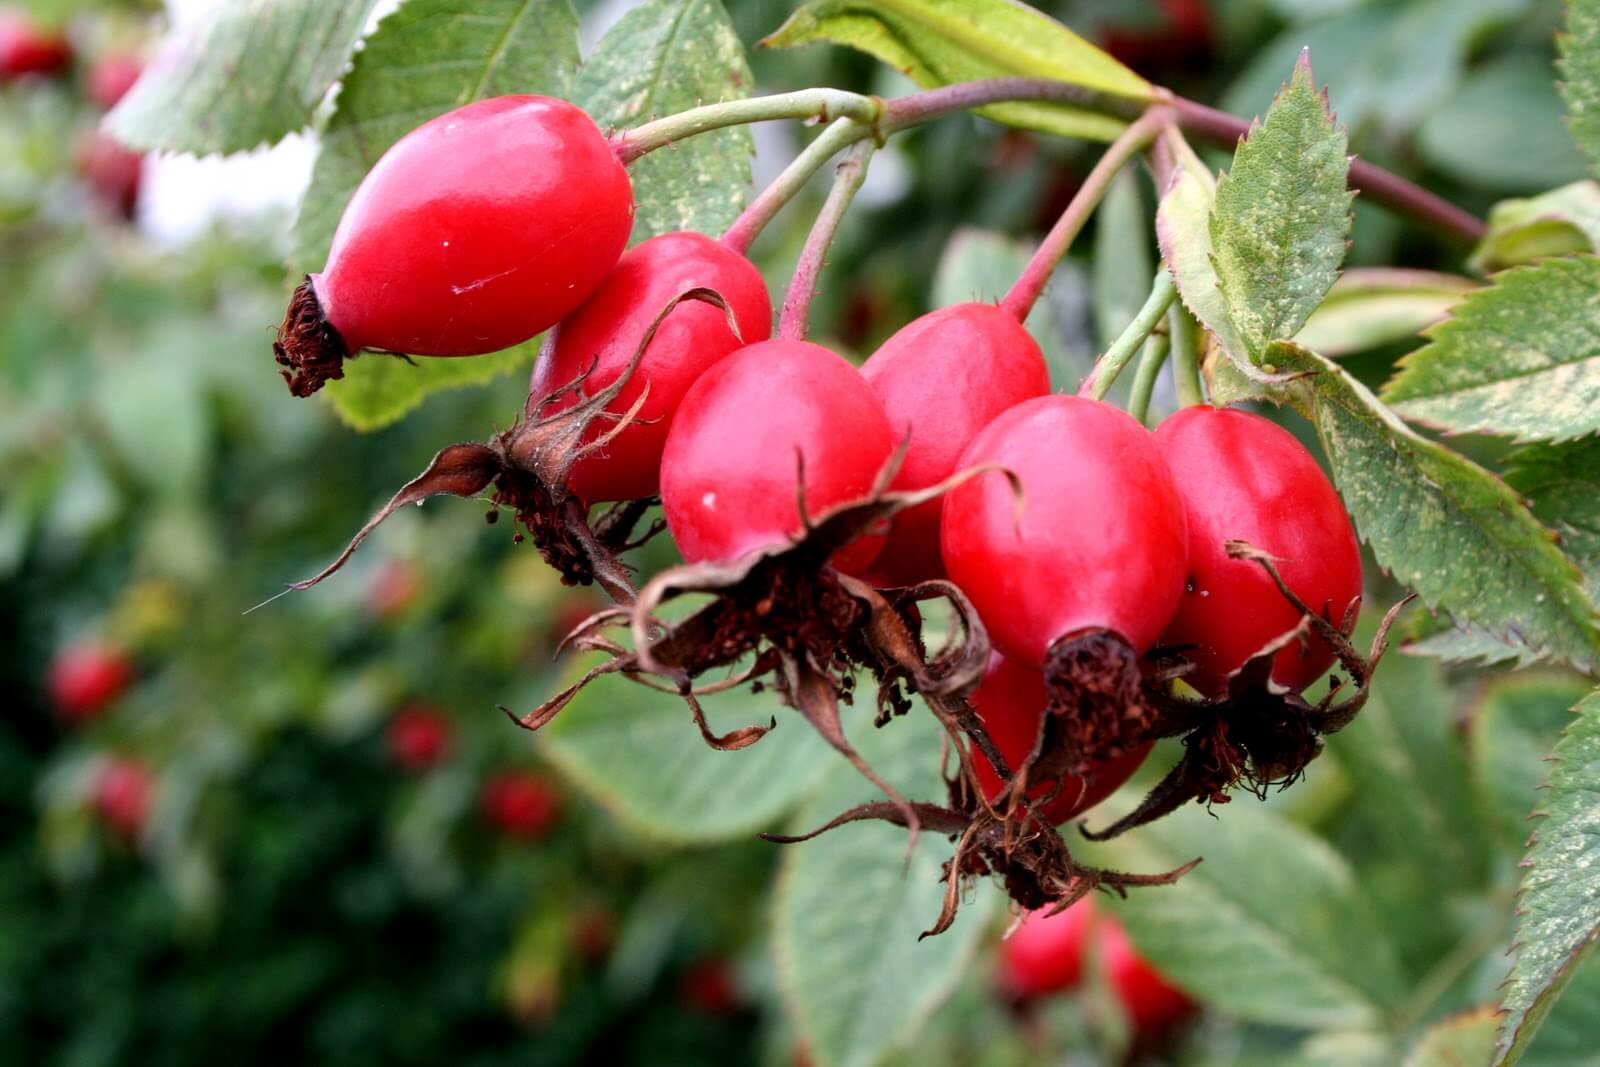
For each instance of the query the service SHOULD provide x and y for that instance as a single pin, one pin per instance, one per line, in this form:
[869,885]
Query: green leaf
[1516,724]
[1122,263]
[1464,1040]
[1502,129]
[1445,526]
[638,753]
[938,42]
[426,58]
[1373,306]
[981,265]
[1281,222]
[1580,74]
[1442,639]
[1183,230]
[1570,1035]
[1272,927]
[249,73]
[663,57]
[1559,904]
[855,978]
[378,390]
[1519,358]
[1405,758]
[1557,223]
[1562,483]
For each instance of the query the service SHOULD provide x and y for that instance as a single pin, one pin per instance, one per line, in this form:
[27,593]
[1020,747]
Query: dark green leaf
[248,74]
[1580,74]
[1559,905]
[667,56]
[1281,220]
[1516,724]
[1502,129]
[1557,223]
[938,42]
[1520,358]
[1562,482]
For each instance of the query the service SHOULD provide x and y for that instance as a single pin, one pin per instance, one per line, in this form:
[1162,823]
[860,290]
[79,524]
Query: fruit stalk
[1185,332]
[748,226]
[1151,361]
[820,104]
[803,286]
[1123,349]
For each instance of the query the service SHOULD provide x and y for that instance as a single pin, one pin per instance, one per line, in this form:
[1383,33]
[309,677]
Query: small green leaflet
[1580,74]
[1372,306]
[1519,358]
[1516,723]
[378,389]
[1183,230]
[1281,222]
[250,73]
[1445,526]
[663,57]
[1557,223]
[938,42]
[1559,904]
[1458,1041]
[1562,484]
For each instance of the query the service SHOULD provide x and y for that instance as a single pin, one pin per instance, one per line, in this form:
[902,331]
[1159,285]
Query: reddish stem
[803,286]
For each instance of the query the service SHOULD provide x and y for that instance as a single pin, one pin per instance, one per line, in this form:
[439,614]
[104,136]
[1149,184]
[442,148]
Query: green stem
[803,286]
[1125,347]
[1151,360]
[762,210]
[821,104]
[1025,293]
[1185,333]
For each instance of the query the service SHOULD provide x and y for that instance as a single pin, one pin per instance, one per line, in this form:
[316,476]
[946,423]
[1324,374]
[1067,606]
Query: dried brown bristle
[308,348]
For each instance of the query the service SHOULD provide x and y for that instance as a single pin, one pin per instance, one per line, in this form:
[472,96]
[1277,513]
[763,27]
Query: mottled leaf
[1271,927]
[856,980]
[938,42]
[1520,358]
[1465,1040]
[1557,223]
[1516,723]
[246,74]
[1502,129]
[1443,639]
[1281,221]
[1445,526]
[1562,484]
[638,753]
[1559,904]
[1580,74]
[663,57]
[1373,306]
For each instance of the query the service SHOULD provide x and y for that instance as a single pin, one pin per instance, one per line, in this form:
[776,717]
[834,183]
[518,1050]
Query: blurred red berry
[1153,1004]
[395,586]
[84,678]
[594,931]
[521,803]
[112,171]
[28,48]
[707,986]
[418,737]
[111,76]
[123,791]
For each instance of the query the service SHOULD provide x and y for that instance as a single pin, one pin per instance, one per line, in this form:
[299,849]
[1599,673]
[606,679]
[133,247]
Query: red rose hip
[123,792]
[418,737]
[85,678]
[522,804]
[473,232]
[1243,477]
[603,335]
[1045,953]
[112,75]
[942,378]
[28,48]
[730,471]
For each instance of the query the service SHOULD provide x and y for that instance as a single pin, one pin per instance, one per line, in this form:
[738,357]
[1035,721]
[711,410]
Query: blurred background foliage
[331,846]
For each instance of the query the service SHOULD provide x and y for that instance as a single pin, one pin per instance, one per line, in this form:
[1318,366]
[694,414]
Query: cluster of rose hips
[1103,561]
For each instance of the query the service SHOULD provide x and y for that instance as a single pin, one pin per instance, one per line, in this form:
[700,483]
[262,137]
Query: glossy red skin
[1151,1002]
[477,230]
[729,472]
[26,48]
[112,75]
[1100,543]
[1244,477]
[113,172]
[605,333]
[521,804]
[418,737]
[123,793]
[86,678]
[1010,702]
[942,378]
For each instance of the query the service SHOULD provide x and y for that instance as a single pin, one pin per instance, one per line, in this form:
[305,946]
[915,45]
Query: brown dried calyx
[1260,735]
[1097,702]
[528,465]
[308,348]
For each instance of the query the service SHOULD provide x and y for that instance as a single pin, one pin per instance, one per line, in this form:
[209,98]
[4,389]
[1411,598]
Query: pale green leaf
[1456,644]
[1520,358]
[980,265]
[1502,129]
[247,74]
[1281,221]
[426,58]
[855,978]
[1580,74]
[1557,223]
[1272,927]
[637,751]
[1122,263]
[663,57]
[1183,229]
[1373,306]
[1517,722]
[938,42]
[1465,1040]
[1559,903]
[378,390]
[1445,526]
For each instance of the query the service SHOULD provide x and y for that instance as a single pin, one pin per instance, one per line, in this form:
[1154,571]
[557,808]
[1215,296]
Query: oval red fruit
[1100,541]
[418,737]
[729,473]
[1243,477]
[85,678]
[605,333]
[112,171]
[28,48]
[1010,701]
[112,75]
[521,803]
[123,792]
[942,378]
[1045,953]
[1152,1003]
